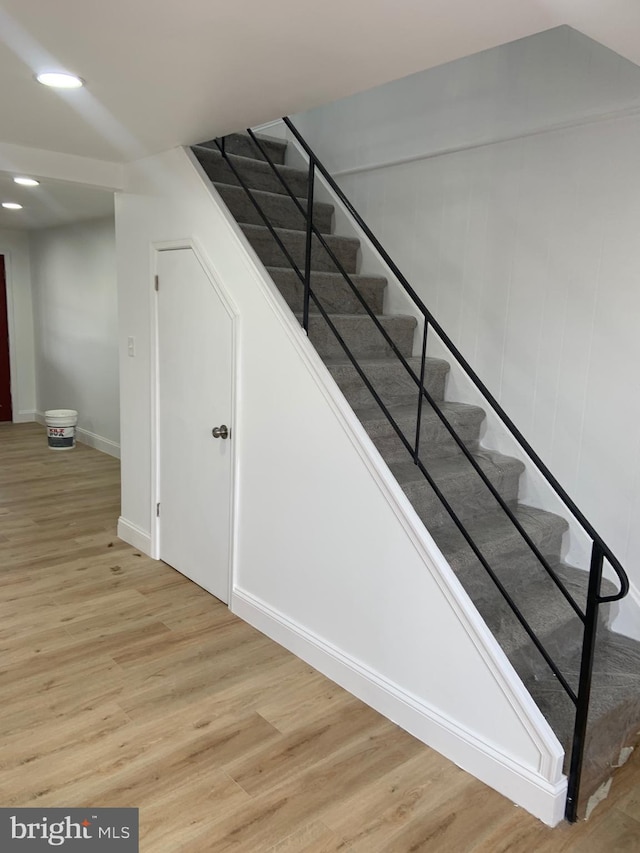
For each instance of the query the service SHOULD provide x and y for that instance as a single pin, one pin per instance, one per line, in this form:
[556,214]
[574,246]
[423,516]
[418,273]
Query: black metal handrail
[504,417]
[600,551]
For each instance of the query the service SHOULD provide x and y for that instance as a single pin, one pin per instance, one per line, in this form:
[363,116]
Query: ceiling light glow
[12,205]
[27,182]
[59,80]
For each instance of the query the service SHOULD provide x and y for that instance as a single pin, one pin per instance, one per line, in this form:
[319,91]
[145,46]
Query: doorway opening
[6,410]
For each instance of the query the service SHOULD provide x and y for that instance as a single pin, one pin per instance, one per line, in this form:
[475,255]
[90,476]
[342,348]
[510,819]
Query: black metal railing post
[423,363]
[309,246]
[584,685]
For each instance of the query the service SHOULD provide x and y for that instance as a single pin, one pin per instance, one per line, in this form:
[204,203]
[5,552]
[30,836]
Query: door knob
[220,432]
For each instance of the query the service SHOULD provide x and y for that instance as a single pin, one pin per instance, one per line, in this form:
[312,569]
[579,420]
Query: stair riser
[390,381]
[435,440]
[541,604]
[611,728]
[467,495]
[555,624]
[332,290]
[243,145]
[271,255]
[547,537]
[614,720]
[280,210]
[605,748]
[546,617]
[361,336]
[256,174]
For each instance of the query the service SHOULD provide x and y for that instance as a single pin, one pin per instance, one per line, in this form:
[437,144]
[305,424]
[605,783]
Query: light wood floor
[124,684]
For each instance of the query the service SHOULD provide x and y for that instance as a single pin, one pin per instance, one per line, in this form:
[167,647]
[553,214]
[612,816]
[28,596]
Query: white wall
[86,171]
[75,311]
[14,245]
[553,78]
[328,557]
[510,198]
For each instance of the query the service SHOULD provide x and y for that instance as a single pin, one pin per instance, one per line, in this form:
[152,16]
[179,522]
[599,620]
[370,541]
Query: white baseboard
[520,784]
[28,416]
[134,535]
[99,442]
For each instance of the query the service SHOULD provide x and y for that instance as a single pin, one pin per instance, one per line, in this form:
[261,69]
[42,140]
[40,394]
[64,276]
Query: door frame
[16,416]
[4,321]
[228,304]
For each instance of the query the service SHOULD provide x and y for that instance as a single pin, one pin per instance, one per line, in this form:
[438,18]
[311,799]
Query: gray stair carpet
[614,720]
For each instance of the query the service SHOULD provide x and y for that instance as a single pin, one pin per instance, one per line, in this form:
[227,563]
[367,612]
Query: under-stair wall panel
[329,557]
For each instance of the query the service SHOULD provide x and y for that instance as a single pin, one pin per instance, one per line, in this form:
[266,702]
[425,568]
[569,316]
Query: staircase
[614,711]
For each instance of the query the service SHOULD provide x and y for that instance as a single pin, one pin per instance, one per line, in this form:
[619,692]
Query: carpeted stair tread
[495,534]
[360,334]
[460,484]
[335,295]
[435,440]
[541,603]
[550,614]
[257,174]
[244,146]
[389,378]
[345,249]
[280,209]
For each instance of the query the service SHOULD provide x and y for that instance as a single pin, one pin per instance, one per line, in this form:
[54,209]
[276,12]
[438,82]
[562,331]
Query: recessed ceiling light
[59,80]
[27,182]
[11,205]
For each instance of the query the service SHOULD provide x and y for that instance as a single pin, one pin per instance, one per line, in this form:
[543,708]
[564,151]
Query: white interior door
[195,388]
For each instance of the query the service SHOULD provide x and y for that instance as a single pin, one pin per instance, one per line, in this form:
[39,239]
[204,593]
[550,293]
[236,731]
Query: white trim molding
[134,535]
[500,771]
[99,442]
[25,417]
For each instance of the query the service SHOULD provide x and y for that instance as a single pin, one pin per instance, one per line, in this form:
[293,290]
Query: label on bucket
[61,436]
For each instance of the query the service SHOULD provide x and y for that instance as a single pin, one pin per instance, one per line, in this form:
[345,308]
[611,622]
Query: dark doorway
[5,368]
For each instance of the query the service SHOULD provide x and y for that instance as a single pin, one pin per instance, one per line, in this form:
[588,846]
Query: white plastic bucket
[61,428]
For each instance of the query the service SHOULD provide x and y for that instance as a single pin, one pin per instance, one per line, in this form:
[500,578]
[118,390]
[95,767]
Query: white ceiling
[52,203]
[161,74]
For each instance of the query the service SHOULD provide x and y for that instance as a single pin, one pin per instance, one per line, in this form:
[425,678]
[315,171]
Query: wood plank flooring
[124,684]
